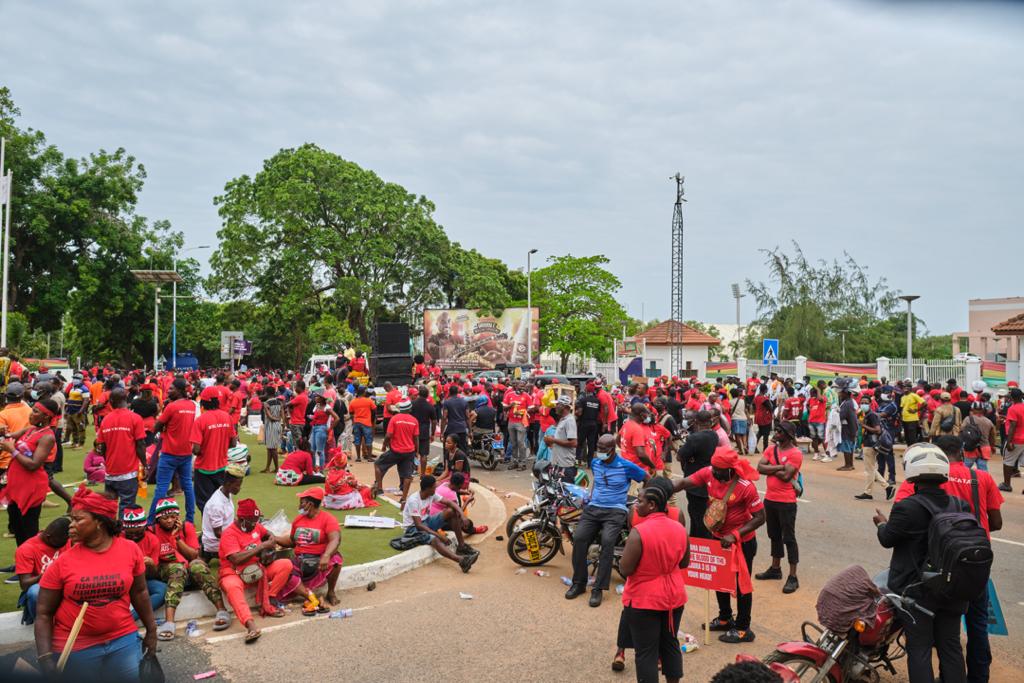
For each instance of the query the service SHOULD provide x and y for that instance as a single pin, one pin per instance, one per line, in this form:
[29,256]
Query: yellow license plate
[530,536]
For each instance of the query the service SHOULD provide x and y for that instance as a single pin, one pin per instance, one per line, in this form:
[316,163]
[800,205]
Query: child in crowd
[94,466]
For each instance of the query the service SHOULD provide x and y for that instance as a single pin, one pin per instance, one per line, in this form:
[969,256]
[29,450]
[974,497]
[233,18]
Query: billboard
[629,357]
[462,339]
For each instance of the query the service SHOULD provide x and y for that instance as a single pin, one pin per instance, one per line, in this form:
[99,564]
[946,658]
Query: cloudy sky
[893,130]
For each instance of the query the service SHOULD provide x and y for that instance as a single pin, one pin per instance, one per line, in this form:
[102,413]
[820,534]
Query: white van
[315,363]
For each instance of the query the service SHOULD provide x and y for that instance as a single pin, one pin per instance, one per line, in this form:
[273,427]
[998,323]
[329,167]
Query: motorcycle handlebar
[909,603]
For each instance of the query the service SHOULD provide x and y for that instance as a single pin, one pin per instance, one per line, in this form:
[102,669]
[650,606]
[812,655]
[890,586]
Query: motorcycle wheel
[804,667]
[547,538]
[522,514]
[490,462]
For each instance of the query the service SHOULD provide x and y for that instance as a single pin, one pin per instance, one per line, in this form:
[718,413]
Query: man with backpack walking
[941,558]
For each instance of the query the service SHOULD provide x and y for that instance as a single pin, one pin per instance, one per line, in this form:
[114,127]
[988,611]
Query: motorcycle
[487,449]
[852,649]
[544,492]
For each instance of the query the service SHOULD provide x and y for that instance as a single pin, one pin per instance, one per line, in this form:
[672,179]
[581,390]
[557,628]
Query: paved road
[519,628]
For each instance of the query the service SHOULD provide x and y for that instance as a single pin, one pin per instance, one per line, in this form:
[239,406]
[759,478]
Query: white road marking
[802,500]
[1004,540]
[297,622]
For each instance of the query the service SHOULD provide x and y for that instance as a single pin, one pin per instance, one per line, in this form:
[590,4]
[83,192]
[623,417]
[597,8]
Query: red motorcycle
[860,632]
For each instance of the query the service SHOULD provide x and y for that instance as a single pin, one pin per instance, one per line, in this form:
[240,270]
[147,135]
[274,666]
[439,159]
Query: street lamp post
[909,298]
[739,338]
[529,308]
[174,306]
[843,332]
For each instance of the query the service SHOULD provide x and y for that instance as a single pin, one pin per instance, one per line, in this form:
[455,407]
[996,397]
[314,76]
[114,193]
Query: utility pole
[736,294]
[910,298]
[843,332]
[676,327]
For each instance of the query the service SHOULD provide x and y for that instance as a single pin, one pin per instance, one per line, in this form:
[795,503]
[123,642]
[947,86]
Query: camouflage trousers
[177,575]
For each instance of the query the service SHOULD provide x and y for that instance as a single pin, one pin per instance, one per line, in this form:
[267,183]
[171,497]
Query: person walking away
[889,416]
[175,423]
[738,414]
[653,560]
[946,418]
[907,533]
[399,446]
[363,410]
[146,407]
[213,433]
[910,404]
[426,417]
[1013,443]
[588,416]
[455,417]
[763,410]
[781,466]
[121,440]
[981,494]
[850,425]
[979,437]
[75,410]
[872,428]
[603,517]
[694,455]
[563,443]
[734,520]
[609,415]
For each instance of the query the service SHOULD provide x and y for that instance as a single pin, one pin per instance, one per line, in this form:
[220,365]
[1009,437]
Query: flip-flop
[252,637]
[323,609]
[165,631]
[224,619]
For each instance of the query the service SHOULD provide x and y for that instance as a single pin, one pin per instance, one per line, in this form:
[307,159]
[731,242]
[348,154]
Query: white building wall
[661,356]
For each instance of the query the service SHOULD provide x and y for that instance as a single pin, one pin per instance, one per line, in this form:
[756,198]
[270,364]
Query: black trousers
[744,603]
[205,485]
[533,436]
[696,506]
[606,523]
[941,633]
[780,518]
[764,433]
[24,525]
[58,462]
[652,635]
[586,441]
[912,432]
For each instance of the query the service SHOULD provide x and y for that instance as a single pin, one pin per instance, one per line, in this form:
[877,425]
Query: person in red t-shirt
[316,536]
[781,465]
[763,416]
[1013,444]
[730,478]
[296,409]
[399,446]
[213,433]
[175,453]
[180,564]
[109,573]
[32,557]
[121,440]
[634,439]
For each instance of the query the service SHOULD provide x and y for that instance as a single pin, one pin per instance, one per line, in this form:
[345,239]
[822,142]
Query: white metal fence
[931,370]
[784,368]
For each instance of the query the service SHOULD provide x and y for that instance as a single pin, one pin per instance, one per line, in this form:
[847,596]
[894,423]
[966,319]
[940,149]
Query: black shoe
[721,624]
[596,596]
[575,591]
[791,585]
[13,578]
[736,636]
[890,491]
[864,496]
[7,570]
[771,574]
[1006,487]
[468,561]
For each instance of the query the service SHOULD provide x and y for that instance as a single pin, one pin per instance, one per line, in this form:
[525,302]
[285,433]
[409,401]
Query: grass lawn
[357,545]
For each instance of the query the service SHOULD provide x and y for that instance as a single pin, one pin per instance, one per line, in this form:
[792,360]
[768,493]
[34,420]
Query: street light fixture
[156,277]
[529,308]
[909,298]
[843,332]
[737,295]
[174,306]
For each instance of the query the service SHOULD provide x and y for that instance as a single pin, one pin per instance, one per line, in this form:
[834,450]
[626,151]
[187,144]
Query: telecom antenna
[676,326]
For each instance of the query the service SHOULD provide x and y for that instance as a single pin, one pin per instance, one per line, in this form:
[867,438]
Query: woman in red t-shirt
[316,536]
[781,466]
[27,481]
[107,572]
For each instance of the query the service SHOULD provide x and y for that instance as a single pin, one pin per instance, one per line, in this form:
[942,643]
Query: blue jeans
[982,463]
[168,466]
[157,592]
[28,600]
[117,660]
[362,434]
[979,653]
[318,442]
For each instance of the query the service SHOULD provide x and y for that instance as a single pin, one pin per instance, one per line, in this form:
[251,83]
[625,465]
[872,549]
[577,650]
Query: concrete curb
[194,604]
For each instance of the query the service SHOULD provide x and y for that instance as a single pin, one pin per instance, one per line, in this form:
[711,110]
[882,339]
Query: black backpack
[959,559]
[970,435]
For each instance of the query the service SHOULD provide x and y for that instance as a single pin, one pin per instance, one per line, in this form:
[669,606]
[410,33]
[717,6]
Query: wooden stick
[72,637]
[707,617]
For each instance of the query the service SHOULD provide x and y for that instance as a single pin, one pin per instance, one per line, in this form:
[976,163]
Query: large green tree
[578,310]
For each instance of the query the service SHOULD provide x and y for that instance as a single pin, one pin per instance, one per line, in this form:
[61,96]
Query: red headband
[44,409]
[726,458]
[93,502]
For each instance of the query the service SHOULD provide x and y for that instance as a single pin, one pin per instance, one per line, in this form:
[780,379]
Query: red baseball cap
[209,394]
[315,492]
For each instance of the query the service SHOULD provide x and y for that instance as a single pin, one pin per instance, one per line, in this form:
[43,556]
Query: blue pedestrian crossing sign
[770,351]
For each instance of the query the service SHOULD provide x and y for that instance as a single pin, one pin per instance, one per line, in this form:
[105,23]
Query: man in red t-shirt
[32,557]
[213,433]
[175,455]
[296,408]
[399,447]
[634,439]
[121,440]
[781,465]
[1013,448]
[730,478]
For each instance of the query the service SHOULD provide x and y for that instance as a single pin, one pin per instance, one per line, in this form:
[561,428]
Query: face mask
[604,457]
[648,420]
[864,407]
[34,394]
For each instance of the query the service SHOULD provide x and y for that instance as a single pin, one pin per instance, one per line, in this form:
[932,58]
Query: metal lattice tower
[676,330]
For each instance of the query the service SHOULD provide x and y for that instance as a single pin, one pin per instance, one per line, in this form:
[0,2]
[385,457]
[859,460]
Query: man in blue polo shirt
[605,514]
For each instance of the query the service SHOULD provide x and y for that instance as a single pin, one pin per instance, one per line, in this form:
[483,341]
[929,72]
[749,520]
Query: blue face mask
[604,457]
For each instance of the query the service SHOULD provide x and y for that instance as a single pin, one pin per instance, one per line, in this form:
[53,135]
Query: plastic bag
[278,524]
[150,670]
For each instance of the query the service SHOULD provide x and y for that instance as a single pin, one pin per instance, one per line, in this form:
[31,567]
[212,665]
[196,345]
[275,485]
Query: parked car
[966,356]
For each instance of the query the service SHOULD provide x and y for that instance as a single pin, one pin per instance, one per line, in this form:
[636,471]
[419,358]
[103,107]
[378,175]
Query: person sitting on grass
[94,466]
[315,536]
[133,528]
[422,528]
[33,557]
[297,468]
[180,565]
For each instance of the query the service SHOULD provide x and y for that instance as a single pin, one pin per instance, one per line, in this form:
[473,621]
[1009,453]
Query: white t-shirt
[414,506]
[219,512]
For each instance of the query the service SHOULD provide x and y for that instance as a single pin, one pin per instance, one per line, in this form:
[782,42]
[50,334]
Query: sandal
[165,631]
[323,609]
[222,621]
[253,636]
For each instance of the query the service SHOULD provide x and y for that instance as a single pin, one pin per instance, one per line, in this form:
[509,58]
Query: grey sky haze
[892,130]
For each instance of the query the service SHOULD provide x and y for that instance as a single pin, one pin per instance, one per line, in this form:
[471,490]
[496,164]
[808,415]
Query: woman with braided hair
[27,478]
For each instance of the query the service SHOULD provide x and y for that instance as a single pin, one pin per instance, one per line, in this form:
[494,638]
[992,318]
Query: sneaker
[828,458]
[1006,487]
[619,660]
[8,569]
[468,561]
[736,636]
[864,496]
[817,456]
[720,624]
[771,574]
[890,491]
[13,578]
[792,584]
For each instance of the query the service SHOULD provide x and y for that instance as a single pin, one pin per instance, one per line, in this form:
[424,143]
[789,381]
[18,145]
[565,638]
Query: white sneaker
[817,456]
[828,458]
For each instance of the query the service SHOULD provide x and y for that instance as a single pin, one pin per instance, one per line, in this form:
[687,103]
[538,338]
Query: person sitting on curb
[133,528]
[33,557]
[315,536]
[180,565]
[422,528]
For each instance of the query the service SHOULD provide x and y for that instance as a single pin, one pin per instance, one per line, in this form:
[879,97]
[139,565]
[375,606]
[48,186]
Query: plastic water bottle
[341,614]
[566,580]
[620,588]
[192,629]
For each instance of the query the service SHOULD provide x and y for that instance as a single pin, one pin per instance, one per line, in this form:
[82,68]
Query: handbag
[714,516]
[150,670]
[309,565]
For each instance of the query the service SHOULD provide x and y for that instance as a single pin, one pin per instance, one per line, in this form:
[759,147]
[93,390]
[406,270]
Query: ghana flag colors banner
[817,370]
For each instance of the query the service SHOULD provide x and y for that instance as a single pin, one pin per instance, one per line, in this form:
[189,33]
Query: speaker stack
[390,359]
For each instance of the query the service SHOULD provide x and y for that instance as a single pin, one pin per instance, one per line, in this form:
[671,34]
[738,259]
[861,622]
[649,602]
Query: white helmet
[925,460]
[978,386]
